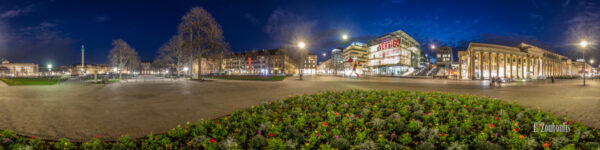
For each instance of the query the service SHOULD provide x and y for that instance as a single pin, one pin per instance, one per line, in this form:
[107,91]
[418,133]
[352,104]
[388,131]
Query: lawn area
[257,78]
[31,81]
[356,119]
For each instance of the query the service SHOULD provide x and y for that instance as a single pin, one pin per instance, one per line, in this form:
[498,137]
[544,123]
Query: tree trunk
[200,68]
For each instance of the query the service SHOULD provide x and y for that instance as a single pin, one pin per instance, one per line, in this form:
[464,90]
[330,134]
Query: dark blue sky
[52,31]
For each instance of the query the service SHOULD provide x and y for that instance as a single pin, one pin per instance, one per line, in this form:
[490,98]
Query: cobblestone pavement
[154,105]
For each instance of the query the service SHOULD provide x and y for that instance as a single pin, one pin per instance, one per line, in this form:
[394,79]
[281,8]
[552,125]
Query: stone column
[504,64]
[489,65]
[480,59]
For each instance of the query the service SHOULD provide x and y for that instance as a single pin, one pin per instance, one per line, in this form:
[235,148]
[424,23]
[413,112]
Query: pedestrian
[552,79]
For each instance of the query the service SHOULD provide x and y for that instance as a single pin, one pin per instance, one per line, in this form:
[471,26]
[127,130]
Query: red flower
[33,137]
[212,140]
[497,118]
[331,103]
[438,105]
[218,122]
[96,136]
[546,144]
[427,114]
[517,129]
[491,125]
[271,134]
[451,98]
[443,134]
[568,122]
[324,123]
[356,116]
[337,114]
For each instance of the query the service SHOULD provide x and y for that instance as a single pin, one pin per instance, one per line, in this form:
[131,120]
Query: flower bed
[259,78]
[356,119]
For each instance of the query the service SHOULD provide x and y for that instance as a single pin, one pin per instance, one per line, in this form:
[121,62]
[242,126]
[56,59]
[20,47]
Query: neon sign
[389,44]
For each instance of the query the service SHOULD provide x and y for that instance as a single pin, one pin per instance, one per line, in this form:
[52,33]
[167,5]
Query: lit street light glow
[49,66]
[432,46]
[114,69]
[345,37]
[583,43]
[324,54]
[185,68]
[301,45]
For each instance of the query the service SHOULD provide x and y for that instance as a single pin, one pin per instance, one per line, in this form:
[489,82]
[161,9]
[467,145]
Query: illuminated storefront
[394,54]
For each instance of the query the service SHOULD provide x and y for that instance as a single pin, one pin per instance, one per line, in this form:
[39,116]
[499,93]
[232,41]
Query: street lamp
[583,44]
[432,46]
[49,69]
[301,45]
[324,54]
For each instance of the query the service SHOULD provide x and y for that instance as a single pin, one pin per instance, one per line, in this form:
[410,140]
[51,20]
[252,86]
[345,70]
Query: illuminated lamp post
[583,44]
[301,46]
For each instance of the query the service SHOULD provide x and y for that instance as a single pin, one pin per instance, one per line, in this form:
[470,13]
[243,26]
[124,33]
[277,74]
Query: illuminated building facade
[394,54]
[310,64]
[264,62]
[8,69]
[89,69]
[523,61]
[359,53]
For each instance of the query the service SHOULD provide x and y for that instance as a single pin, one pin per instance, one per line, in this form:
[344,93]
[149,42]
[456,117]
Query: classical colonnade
[485,61]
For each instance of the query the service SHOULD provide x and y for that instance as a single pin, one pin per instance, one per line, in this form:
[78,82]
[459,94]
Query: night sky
[53,31]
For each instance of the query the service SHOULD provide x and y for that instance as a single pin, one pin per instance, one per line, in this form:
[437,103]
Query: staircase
[432,71]
[421,72]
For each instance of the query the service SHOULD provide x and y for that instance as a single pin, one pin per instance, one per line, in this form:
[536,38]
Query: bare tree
[203,35]
[123,56]
[174,52]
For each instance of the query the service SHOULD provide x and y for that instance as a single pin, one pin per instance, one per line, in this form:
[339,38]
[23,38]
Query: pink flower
[443,134]
[356,116]
[568,122]
[337,137]
[271,134]
[497,118]
[212,140]
[317,134]
[259,132]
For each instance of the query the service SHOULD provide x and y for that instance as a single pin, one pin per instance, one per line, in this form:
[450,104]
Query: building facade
[444,60]
[484,61]
[90,69]
[359,53]
[337,60]
[264,62]
[394,54]
[444,56]
[8,69]
[310,64]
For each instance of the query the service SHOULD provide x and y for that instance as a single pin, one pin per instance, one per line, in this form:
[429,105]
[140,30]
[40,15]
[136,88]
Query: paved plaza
[154,105]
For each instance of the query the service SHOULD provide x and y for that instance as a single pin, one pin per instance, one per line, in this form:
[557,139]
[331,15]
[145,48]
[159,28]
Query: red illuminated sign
[389,44]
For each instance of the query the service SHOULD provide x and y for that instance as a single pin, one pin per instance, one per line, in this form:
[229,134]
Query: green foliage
[355,119]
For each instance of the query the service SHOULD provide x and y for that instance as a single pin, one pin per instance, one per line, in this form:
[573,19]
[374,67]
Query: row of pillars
[486,64]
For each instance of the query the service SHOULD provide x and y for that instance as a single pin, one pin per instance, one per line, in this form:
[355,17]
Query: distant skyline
[52,31]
